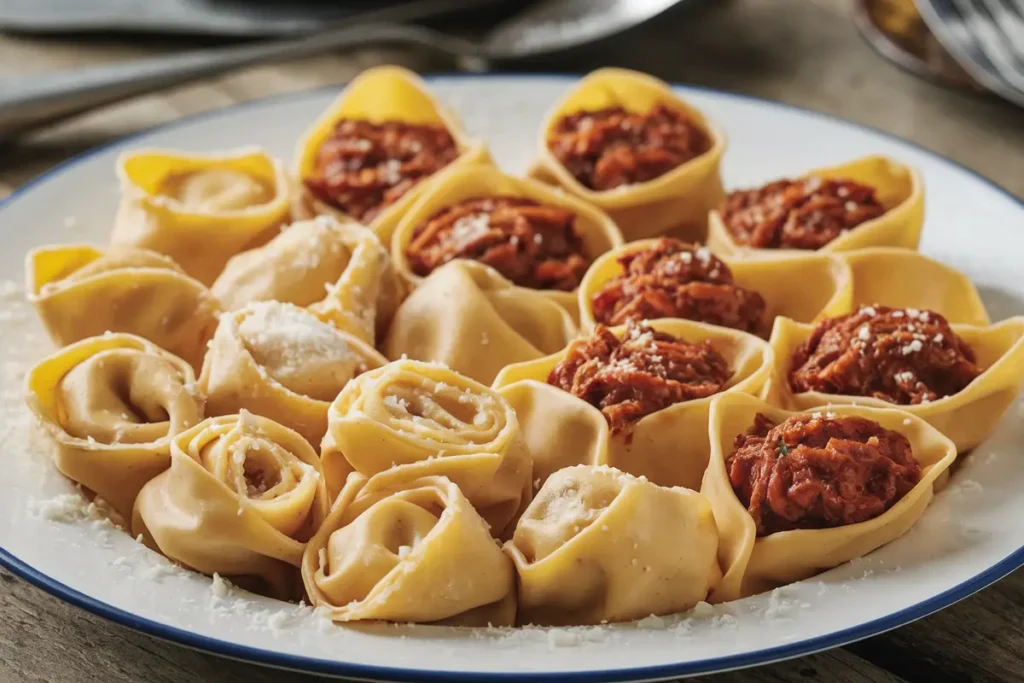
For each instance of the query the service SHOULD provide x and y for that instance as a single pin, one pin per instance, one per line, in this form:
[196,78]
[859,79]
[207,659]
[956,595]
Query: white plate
[969,537]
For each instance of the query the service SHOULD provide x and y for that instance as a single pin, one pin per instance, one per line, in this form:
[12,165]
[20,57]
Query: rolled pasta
[241,498]
[410,418]
[476,322]
[281,361]
[389,130]
[200,209]
[677,198]
[665,443]
[753,563]
[408,550]
[80,292]
[339,271]
[110,406]
[599,545]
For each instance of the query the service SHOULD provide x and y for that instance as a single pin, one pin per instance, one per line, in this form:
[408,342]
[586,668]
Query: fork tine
[987,37]
[1010,23]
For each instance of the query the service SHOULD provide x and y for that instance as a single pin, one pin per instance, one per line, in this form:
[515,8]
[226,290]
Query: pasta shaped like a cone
[753,565]
[282,362]
[385,93]
[668,447]
[242,496]
[110,406]
[80,292]
[476,322]
[408,551]
[598,232]
[904,278]
[805,287]
[200,209]
[339,271]
[411,419]
[898,188]
[966,417]
[676,202]
[597,545]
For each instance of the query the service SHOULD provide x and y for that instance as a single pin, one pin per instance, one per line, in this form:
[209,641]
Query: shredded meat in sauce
[363,167]
[677,280]
[613,147]
[799,214]
[903,356]
[532,245]
[819,471]
[643,372]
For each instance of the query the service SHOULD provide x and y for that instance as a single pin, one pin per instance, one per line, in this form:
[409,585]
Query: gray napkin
[237,18]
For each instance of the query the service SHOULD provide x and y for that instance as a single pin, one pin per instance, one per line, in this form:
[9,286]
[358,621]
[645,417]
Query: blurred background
[946,74]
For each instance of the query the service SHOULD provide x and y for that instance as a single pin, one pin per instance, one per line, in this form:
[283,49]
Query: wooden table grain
[797,51]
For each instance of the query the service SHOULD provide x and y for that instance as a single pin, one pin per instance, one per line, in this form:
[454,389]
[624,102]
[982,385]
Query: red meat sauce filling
[677,280]
[640,373]
[532,245]
[819,471]
[613,147]
[799,214]
[363,167]
[902,356]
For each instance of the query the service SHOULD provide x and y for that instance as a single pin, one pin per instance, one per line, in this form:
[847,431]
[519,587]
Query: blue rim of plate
[382,673]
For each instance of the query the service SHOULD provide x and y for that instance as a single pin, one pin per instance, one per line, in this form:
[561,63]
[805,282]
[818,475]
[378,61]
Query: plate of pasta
[511,378]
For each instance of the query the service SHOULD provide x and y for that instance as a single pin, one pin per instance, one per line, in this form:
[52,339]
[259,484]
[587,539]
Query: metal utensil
[955,23]
[541,29]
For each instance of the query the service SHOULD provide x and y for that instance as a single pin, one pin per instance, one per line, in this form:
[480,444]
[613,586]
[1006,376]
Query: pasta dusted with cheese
[408,550]
[281,361]
[419,419]
[110,406]
[241,498]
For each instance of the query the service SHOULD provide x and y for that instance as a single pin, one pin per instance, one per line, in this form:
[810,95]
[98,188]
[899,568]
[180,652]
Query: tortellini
[81,292]
[241,498]
[339,271]
[410,418]
[898,188]
[411,551]
[280,361]
[752,564]
[110,406]
[967,417]
[382,95]
[667,447]
[675,202]
[476,322]
[200,209]
[597,545]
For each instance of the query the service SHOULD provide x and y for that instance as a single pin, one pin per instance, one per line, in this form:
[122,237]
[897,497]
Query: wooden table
[801,52]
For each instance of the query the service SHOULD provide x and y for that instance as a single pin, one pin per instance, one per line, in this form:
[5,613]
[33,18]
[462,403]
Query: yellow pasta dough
[597,231]
[80,292]
[409,551]
[281,361]
[339,271]
[905,278]
[476,322]
[898,188]
[804,287]
[379,95]
[597,545]
[200,209]
[411,419]
[752,564]
[967,417]
[110,406]
[241,498]
[676,202]
[668,447]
